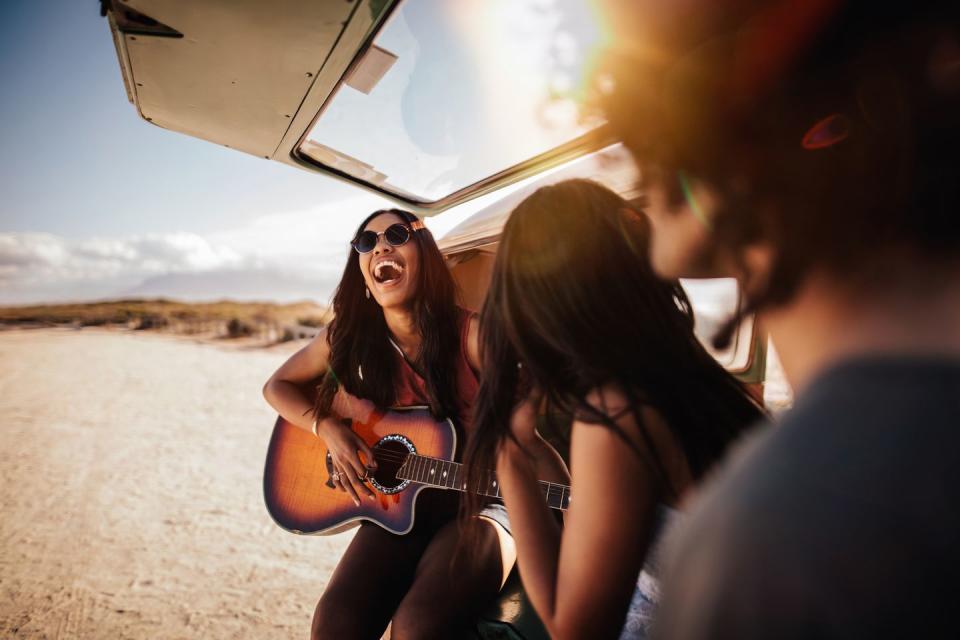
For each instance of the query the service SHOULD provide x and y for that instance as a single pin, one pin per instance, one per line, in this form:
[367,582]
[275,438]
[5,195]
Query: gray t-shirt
[843,522]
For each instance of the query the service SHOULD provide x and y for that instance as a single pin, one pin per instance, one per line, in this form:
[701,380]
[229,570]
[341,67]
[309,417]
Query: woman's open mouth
[388,272]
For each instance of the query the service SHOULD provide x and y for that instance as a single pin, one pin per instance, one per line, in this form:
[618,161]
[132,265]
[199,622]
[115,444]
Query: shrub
[237,328]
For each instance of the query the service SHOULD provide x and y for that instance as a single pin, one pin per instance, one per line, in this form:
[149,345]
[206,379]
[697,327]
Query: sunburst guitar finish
[413,452]
[299,491]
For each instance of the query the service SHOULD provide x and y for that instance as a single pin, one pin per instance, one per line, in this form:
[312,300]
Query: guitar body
[297,485]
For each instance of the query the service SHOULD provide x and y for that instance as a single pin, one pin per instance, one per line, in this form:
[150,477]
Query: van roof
[611,167]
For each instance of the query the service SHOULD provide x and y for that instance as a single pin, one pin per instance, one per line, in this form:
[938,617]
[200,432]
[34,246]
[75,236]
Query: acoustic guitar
[413,452]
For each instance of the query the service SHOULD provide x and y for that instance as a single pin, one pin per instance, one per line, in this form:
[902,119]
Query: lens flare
[692,200]
[827,132]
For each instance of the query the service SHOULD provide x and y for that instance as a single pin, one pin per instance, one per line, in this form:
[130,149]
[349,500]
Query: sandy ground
[131,489]
[131,484]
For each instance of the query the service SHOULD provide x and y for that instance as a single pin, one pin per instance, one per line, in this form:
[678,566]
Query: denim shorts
[498,513]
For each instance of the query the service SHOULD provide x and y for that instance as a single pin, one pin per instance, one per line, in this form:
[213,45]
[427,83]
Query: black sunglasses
[396,235]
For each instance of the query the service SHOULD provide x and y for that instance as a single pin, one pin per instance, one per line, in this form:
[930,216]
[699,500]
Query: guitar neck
[446,474]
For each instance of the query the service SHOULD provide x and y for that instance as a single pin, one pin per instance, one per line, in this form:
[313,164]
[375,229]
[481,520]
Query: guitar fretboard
[447,474]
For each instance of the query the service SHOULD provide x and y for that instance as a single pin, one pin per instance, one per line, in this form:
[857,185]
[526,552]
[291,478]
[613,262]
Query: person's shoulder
[469,321]
[847,473]
[470,332]
[719,518]
[639,421]
[469,317]
[717,556]
[609,399]
[320,343]
[611,402]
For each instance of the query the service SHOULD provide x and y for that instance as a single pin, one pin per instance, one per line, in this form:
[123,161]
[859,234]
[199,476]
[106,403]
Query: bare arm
[282,392]
[580,580]
[473,344]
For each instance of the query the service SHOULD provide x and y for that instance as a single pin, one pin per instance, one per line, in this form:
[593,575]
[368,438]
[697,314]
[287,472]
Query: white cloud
[42,266]
[42,258]
[299,250]
[296,246]
[314,240]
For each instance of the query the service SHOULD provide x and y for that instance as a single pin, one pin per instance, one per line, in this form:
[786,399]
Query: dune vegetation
[230,319]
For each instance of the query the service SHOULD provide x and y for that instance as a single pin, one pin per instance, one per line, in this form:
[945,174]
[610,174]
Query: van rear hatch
[428,102]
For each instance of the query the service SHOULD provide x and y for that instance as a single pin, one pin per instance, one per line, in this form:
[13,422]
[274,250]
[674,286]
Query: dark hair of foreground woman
[575,315]
[574,301]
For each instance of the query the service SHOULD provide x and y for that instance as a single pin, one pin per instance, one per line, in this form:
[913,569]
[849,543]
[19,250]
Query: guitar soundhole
[391,452]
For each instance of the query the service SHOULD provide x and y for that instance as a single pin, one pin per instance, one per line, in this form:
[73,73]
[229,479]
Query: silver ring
[335,476]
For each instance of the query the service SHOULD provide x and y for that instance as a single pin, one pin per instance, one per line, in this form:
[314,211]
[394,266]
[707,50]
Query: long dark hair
[574,300]
[361,358]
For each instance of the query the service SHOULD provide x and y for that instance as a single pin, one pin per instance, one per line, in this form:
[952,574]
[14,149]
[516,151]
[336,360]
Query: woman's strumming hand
[345,447]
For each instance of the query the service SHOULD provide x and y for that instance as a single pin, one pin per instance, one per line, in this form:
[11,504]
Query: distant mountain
[239,284]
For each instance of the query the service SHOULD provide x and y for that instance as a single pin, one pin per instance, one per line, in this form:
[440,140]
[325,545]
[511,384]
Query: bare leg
[368,584]
[446,596]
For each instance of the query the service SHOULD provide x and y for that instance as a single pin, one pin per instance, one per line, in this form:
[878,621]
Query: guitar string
[402,458]
[551,488]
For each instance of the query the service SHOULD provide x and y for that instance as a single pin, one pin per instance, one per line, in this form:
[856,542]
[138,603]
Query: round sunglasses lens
[397,234]
[365,242]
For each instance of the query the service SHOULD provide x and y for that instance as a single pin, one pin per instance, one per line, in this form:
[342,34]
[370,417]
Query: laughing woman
[576,320]
[398,339]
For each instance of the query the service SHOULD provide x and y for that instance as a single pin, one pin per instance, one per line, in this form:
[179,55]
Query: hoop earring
[368,292]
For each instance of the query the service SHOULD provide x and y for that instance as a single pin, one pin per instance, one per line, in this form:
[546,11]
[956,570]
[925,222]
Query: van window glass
[454,92]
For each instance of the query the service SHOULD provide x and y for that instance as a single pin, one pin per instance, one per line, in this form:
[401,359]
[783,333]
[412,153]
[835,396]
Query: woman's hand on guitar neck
[345,447]
[528,449]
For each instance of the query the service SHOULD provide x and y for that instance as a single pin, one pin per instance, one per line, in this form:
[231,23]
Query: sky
[97,203]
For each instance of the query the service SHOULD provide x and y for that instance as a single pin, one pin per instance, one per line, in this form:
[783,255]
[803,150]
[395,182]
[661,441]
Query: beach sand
[131,470]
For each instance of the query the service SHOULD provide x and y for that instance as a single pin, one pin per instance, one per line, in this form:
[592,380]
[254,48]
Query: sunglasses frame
[410,228]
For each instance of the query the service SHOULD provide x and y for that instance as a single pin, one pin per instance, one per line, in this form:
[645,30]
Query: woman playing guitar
[398,339]
[576,319]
